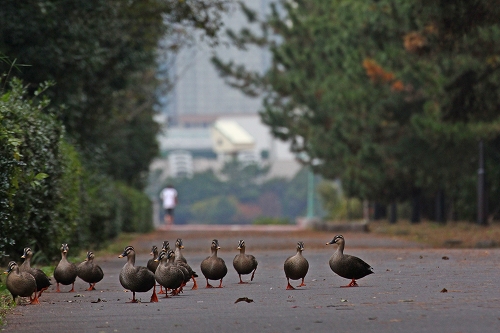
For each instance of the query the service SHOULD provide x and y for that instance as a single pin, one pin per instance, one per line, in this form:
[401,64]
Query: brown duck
[296,267]
[136,278]
[42,280]
[168,274]
[65,271]
[21,283]
[244,263]
[182,262]
[347,266]
[89,272]
[213,267]
[152,264]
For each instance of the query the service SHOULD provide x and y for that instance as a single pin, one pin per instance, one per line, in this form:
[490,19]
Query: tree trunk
[415,207]
[393,214]
[440,207]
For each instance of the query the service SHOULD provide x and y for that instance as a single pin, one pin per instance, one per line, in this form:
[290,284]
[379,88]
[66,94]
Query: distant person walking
[168,197]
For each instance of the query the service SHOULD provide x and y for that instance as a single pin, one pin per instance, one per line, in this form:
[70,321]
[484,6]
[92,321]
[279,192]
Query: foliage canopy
[390,96]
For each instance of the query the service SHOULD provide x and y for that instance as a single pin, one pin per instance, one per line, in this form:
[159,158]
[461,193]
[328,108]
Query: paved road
[404,294]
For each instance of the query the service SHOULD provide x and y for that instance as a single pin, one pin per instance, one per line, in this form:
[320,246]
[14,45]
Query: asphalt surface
[406,293]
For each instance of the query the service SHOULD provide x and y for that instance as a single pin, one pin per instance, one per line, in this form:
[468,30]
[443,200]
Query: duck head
[161,255]
[128,250]
[64,248]
[27,253]
[336,240]
[178,243]
[215,245]
[12,266]
[90,256]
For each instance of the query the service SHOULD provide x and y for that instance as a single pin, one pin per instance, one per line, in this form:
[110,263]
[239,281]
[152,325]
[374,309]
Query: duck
[152,264]
[182,262]
[136,278]
[21,284]
[168,274]
[244,263]
[89,272]
[42,280]
[213,267]
[165,246]
[296,267]
[347,266]
[178,253]
[65,271]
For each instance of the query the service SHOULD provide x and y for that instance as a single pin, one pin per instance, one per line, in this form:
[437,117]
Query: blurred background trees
[390,97]
[91,146]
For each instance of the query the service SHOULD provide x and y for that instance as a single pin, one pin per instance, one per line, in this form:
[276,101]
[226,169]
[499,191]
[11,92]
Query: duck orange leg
[161,290]
[253,274]
[58,290]
[72,288]
[302,284]
[35,299]
[91,286]
[133,298]
[220,284]
[289,286]
[241,281]
[352,284]
[42,290]
[154,298]
[195,285]
[209,285]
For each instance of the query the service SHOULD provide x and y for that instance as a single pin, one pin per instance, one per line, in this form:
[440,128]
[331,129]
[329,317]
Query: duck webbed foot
[352,284]
[289,286]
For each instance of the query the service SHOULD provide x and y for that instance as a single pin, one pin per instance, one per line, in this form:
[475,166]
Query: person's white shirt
[168,196]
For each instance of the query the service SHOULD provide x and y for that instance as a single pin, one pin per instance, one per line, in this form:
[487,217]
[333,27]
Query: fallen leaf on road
[98,300]
[444,290]
[344,300]
[445,258]
[244,299]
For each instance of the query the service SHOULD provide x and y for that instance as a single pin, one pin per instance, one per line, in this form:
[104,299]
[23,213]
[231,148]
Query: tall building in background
[201,99]
[200,94]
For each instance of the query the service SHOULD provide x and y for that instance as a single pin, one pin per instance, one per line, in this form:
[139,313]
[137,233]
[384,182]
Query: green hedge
[47,196]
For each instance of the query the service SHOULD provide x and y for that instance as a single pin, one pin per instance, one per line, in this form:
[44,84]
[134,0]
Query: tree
[389,96]
[102,56]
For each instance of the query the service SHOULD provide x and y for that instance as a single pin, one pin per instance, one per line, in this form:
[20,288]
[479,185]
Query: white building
[199,90]
[201,101]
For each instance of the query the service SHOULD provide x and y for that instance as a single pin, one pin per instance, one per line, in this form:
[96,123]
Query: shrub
[47,196]
[30,151]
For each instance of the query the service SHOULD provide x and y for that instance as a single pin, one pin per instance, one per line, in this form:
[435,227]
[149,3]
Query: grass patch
[451,234]
[5,299]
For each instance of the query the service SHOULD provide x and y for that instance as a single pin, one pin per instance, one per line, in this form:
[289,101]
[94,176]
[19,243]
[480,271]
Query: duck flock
[170,270]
